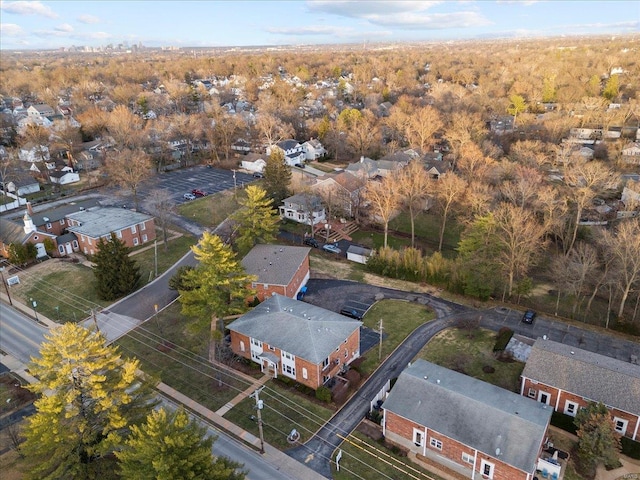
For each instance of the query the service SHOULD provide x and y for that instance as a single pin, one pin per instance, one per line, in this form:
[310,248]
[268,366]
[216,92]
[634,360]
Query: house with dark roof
[294,153]
[20,183]
[297,340]
[12,232]
[470,427]
[567,378]
[280,269]
[303,208]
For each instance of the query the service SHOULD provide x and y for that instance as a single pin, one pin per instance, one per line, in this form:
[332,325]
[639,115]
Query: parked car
[351,312]
[312,242]
[299,165]
[258,175]
[528,317]
[189,196]
[198,193]
[330,247]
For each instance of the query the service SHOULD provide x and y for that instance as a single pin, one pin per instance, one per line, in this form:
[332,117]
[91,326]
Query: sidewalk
[27,310]
[275,457]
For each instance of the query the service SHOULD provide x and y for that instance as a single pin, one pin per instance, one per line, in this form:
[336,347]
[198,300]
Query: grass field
[468,352]
[399,319]
[211,210]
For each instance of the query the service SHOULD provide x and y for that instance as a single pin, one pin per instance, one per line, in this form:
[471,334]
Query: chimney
[29,208]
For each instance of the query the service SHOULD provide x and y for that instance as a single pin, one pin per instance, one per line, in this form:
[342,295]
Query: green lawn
[468,352]
[211,210]
[399,319]
[166,259]
[283,411]
[171,350]
[365,458]
[65,291]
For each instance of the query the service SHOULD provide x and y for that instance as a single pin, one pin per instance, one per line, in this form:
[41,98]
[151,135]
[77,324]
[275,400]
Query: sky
[56,24]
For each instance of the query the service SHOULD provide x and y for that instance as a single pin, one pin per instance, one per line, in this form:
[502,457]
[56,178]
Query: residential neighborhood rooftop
[98,222]
[488,418]
[590,375]
[299,328]
[274,264]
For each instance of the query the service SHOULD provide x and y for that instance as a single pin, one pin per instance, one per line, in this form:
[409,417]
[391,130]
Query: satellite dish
[498,452]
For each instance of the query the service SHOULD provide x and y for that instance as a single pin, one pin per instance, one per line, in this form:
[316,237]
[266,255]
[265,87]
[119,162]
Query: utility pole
[380,345]
[259,405]
[6,287]
[95,320]
[155,257]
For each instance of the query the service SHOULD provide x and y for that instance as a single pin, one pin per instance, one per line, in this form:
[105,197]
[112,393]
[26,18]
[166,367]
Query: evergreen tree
[218,285]
[257,219]
[22,254]
[612,88]
[115,272]
[598,440]
[169,446]
[277,177]
[90,397]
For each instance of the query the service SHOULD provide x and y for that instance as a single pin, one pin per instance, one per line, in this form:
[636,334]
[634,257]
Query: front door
[543,398]
[69,249]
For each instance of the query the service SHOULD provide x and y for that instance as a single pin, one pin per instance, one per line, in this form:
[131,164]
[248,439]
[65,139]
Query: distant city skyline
[61,24]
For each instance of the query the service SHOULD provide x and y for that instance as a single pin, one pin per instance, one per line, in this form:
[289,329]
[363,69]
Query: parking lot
[209,180]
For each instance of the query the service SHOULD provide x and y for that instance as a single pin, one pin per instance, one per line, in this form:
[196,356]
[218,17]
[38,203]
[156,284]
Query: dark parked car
[351,312]
[258,175]
[528,317]
[312,242]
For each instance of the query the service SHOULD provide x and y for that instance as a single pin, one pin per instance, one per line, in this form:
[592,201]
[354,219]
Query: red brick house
[470,427]
[89,226]
[297,340]
[280,269]
[568,378]
[12,232]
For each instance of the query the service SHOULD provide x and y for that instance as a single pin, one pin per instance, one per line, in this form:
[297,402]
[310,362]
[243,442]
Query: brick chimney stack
[29,208]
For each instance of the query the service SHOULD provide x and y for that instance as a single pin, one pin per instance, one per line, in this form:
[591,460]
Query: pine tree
[90,397]
[598,440]
[277,177]
[218,285]
[257,219]
[170,446]
[115,272]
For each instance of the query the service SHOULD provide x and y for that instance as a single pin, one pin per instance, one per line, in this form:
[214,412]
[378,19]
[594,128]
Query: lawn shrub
[502,339]
[323,394]
[409,264]
[564,422]
[630,448]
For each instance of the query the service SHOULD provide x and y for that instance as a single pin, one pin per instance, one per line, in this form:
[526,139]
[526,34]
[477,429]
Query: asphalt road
[20,335]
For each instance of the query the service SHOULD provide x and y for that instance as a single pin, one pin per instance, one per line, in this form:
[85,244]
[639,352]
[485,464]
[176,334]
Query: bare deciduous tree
[129,169]
[412,183]
[161,205]
[384,201]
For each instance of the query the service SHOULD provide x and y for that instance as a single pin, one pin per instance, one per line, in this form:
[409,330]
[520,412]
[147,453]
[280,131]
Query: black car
[351,312]
[528,317]
[312,242]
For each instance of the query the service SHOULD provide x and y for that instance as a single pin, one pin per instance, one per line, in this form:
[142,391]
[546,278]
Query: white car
[329,247]
[189,196]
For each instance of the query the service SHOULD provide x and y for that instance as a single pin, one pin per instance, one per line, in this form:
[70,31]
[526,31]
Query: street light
[34,304]
[58,313]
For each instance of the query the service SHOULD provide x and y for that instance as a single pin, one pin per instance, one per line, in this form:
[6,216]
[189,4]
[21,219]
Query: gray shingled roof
[99,222]
[475,413]
[288,144]
[11,232]
[299,328]
[57,214]
[274,264]
[590,375]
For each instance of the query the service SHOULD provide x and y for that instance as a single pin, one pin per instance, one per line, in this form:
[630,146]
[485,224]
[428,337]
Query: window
[544,397]
[133,229]
[325,363]
[48,226]
[241,345]
[532,393]
[305,374]
[288,369]
[119,234]
[135,241]
[61,249]
[570,408]
[89,241]
[346,353]
[466,458]
[144,238]
[621,425]
[143,227]
[255,342]
[418,437]
[435,443]
[62,222]
[487,469]
[75,244]
[273,349]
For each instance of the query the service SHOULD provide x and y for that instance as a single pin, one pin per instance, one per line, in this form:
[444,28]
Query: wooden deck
[337,231]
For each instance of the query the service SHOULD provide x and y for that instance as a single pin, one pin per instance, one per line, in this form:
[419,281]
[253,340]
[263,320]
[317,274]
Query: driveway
[332,294]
